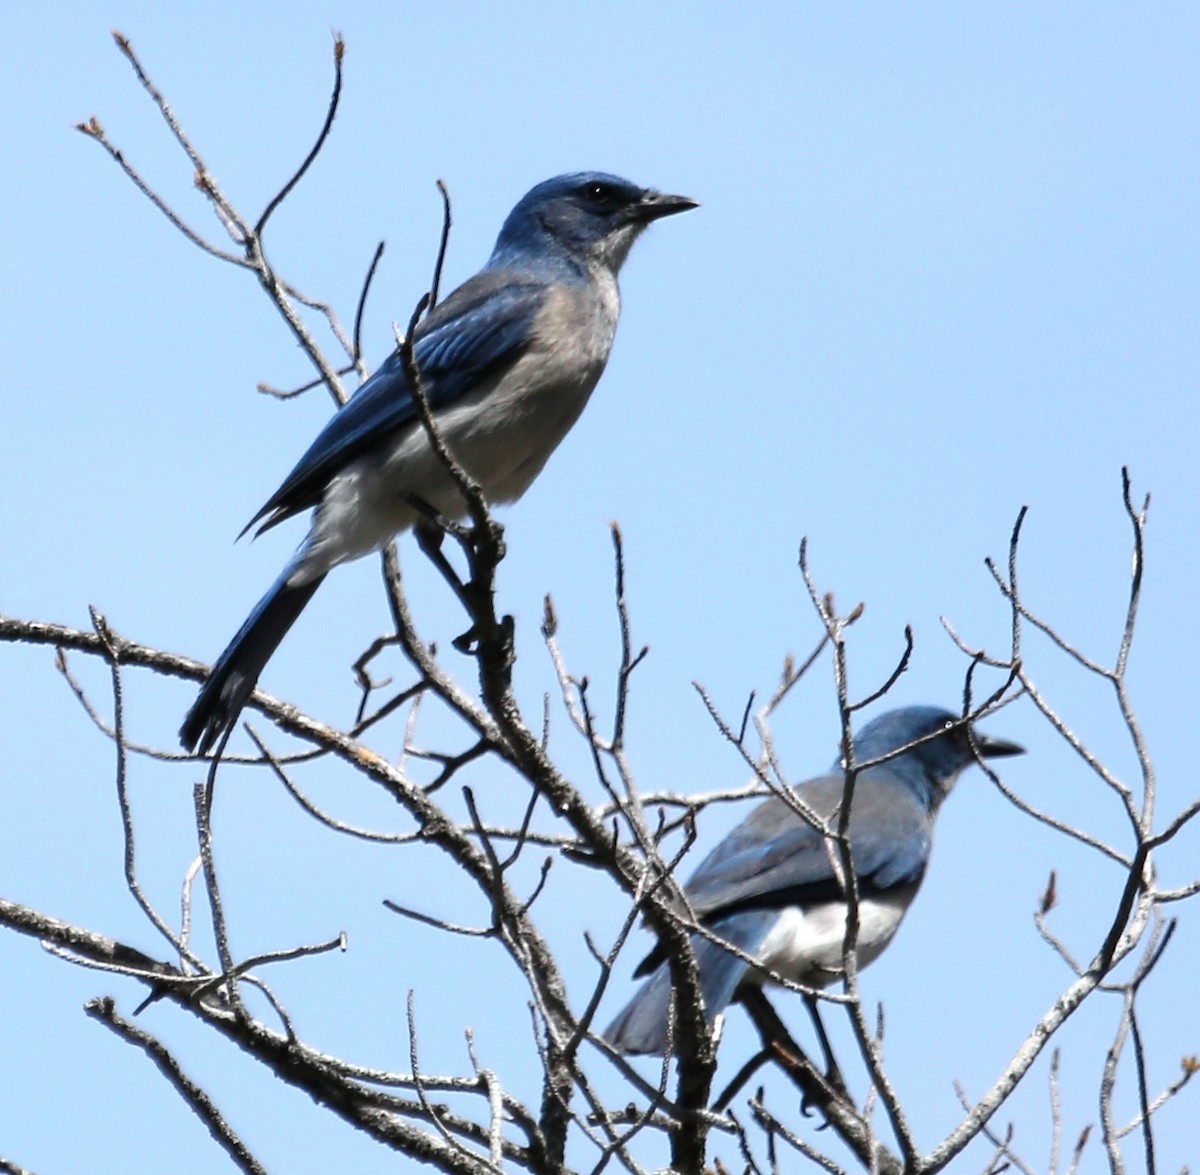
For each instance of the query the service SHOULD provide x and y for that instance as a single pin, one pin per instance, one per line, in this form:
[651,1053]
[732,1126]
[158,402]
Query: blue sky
[945,267]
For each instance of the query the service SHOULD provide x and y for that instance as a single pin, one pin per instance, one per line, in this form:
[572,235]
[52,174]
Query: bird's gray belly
[502,435]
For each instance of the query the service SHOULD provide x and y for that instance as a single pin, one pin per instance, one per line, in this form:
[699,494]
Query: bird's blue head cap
[935,764]
[590,216]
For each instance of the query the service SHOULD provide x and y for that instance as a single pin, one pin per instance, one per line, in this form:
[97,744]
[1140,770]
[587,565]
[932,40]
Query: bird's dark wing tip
[202,726]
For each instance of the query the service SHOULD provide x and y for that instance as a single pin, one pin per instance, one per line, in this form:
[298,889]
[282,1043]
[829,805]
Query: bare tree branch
[105,1011]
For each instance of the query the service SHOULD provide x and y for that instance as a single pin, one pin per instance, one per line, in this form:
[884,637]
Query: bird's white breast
[806,945]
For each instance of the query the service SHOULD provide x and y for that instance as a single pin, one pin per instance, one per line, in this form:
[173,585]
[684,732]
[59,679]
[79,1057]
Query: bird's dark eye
[599,194]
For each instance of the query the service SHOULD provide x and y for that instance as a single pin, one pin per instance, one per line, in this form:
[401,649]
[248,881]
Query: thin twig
[339,52]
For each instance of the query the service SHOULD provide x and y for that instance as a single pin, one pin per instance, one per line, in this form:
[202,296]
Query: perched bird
[507,362]
[770,889]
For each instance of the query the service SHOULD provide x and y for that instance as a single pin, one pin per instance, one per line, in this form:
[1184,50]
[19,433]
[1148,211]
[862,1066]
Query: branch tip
[1049,898]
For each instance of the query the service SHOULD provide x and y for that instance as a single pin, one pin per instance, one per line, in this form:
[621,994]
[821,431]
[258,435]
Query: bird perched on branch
[507,363]
[771,888]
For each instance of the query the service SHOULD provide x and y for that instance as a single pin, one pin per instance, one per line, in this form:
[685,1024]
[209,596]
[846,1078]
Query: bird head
[949,746]
[592,216]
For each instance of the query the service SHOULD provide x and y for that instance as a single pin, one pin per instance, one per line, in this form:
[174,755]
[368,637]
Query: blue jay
[507,362]
[770,889]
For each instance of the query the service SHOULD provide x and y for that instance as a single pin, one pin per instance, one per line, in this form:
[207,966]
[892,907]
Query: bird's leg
[816,1090]
[430,533]
[436,524]
[833,1072]
[429,539]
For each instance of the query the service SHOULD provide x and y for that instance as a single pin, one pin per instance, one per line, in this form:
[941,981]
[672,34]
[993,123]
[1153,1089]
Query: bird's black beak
[996,748]
[655,205]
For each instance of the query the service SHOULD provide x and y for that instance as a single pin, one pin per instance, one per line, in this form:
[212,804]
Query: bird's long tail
[235,674]
[642,1026]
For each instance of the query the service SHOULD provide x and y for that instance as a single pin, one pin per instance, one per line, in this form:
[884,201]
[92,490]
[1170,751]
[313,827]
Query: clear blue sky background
[946,266]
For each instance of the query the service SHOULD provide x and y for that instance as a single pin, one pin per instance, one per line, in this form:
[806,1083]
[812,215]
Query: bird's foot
[468,641]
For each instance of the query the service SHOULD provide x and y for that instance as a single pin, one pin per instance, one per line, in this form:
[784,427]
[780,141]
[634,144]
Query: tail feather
[642,1025]
[236,672]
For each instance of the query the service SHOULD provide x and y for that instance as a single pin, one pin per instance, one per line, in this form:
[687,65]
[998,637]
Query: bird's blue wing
[485,325]
[775,858]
